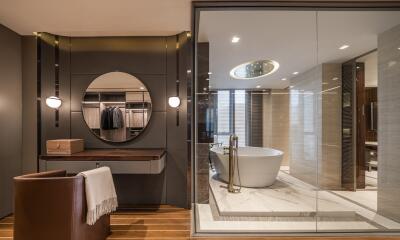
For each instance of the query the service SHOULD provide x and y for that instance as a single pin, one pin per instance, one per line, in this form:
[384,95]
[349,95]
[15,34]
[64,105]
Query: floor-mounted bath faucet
[233,155]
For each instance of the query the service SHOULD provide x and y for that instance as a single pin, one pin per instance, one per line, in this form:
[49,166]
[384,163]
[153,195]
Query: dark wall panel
[145,58]
[255,114]
[48,71]
[138,55]
[348,176]
[177,67]
[29,104]
[140,189]
[10,115]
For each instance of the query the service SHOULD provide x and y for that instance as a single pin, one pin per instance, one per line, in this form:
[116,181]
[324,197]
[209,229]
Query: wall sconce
[53,102]
[174,102]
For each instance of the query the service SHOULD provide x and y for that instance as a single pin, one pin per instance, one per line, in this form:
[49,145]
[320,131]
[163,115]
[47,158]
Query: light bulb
[174,102]
[53,102]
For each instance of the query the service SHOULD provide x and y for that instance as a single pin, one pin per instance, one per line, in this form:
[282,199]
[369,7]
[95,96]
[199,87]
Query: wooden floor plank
[6,233]
[150,215]
[6,226]
[151,234]
[164,222]
[170,227]
[124,221]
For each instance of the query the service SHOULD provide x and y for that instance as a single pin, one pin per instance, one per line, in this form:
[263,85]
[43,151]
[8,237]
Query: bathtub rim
[275,152]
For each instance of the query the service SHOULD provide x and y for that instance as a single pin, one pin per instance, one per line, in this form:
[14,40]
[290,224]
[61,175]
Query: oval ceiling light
[254,69]
[53,102]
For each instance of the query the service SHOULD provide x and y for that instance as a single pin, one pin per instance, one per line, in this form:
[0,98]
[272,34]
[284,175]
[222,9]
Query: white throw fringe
[106,207]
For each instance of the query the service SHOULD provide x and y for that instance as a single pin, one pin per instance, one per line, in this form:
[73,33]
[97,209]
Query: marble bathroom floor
[287,197]
[289,205]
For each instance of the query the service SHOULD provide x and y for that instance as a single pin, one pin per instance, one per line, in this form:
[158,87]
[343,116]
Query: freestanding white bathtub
[258,166]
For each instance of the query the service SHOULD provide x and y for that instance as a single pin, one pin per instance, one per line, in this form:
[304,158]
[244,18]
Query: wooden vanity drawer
[70,166]
[127,167]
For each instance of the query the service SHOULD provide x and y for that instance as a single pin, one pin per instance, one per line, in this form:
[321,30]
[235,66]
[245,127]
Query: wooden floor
[163,223]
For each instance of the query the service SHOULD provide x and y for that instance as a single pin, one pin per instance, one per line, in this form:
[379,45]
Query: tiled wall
[315,126]
[305,121]
[330,167]
[276,122]
[389,123]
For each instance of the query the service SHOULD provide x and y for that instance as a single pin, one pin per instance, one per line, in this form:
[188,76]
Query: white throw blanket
[101,197]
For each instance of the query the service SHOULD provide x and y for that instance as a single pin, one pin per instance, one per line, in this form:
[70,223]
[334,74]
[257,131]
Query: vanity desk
[120,161]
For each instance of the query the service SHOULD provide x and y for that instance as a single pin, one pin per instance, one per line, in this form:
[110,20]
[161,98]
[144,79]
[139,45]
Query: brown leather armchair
[52,206]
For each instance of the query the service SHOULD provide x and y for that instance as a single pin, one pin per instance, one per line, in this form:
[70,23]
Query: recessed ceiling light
[235,39]
[209,73]
[207,79]
[398,48]
[258,86]
[141,88]
[254,69]
[284,79]
[295,73]
[344,47]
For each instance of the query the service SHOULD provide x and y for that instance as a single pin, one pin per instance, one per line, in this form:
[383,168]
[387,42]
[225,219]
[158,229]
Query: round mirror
[116,107]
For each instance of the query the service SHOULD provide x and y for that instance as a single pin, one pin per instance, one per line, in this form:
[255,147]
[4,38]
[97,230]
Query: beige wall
[276,122]
[315,126]
[389,123]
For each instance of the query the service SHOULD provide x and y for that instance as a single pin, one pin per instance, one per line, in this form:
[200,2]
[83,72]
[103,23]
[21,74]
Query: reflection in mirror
[116,107]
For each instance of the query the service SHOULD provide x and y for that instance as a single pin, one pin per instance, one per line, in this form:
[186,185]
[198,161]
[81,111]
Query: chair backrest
[48,206]
[49,174]
[51,205]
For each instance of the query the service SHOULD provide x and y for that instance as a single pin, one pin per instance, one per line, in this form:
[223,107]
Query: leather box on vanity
[64,146]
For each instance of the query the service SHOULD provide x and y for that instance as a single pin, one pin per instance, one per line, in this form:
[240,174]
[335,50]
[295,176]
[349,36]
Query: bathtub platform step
[287,197]
[210,224]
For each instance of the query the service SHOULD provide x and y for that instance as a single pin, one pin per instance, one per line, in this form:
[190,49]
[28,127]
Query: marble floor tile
[288,196]
[291,204]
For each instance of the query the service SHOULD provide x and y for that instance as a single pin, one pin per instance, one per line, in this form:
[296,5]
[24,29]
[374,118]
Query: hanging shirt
[117,117]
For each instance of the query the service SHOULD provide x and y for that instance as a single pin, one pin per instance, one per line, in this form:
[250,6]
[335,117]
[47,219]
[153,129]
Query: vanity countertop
[109,155]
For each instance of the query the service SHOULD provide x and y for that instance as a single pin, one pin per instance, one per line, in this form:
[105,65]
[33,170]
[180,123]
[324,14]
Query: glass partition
[245,91]
[296,121]
[358,167]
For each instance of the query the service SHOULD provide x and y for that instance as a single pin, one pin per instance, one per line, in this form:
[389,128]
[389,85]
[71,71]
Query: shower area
[277,121]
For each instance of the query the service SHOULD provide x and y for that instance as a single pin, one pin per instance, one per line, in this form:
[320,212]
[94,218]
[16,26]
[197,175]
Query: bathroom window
[231,116]
[240,116]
